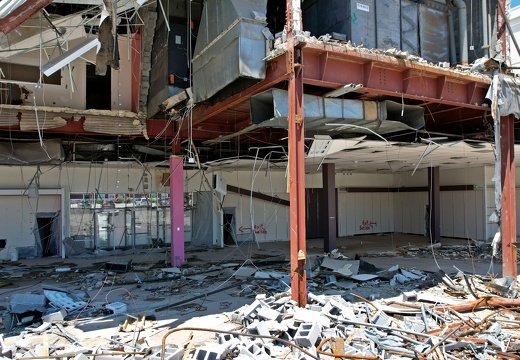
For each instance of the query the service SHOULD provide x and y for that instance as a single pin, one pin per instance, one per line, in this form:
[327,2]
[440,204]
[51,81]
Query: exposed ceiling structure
[390,97]
[358,155]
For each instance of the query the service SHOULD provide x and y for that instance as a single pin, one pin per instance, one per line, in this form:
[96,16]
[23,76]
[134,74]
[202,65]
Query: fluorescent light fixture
[66,58]
[17,82]
[8,6]
[343,90]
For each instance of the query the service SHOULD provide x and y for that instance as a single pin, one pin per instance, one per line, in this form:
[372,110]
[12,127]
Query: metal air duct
[269,109]
[230,46]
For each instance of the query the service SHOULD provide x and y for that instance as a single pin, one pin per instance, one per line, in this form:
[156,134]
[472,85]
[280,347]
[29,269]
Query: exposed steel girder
[390,76]
[507,174]
[20,14]
[507,179]
[296,140]
[276,72]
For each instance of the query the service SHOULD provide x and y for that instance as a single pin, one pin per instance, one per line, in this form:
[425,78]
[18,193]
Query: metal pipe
[451,29]
[463,31]
[485,30]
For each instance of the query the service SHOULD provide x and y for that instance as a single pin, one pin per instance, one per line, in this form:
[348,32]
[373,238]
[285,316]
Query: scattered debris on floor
[354,311]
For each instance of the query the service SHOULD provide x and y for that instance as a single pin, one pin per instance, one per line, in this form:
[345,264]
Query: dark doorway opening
[45,232]
[98,89]
[229,225]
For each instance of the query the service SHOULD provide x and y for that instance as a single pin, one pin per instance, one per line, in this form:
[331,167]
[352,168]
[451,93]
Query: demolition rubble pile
[432,316]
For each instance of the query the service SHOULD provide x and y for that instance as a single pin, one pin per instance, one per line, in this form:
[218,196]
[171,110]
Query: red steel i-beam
[507,173]
[296,180]
[507,180]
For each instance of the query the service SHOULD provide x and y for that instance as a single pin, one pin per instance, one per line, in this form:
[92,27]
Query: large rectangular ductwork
[269,109]
[230,50]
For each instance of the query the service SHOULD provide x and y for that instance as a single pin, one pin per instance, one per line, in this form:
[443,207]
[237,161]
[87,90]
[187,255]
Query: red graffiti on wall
[258,229]
[367,224]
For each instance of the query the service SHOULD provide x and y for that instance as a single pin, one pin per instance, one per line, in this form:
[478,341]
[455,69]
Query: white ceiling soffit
[380,157]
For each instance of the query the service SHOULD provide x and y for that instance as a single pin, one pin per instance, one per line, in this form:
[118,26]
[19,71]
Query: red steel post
[296,180]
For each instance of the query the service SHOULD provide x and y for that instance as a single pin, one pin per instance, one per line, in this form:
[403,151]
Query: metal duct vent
[31,153]
[269,109]
[230,46]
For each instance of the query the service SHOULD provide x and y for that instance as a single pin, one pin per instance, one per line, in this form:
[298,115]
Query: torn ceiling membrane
[358,155]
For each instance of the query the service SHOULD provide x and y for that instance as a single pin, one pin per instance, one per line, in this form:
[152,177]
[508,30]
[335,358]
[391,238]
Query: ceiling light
[66,58]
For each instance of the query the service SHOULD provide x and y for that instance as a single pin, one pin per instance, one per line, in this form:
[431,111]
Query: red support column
[507,180]
[507,172]
[177,211]
[296,180]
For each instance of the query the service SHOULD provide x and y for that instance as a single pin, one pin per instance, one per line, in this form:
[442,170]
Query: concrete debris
[354,310]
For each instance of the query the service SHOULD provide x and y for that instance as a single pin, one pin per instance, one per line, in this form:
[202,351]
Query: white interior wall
[364,213]
[18,217]
[122,78]
[72,91]
[64,95]
[464,213]
[409,212]
[489,201]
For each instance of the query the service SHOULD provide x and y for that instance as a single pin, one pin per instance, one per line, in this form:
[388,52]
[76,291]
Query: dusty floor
[207,287]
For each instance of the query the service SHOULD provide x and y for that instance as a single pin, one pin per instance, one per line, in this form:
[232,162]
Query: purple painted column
[177,210]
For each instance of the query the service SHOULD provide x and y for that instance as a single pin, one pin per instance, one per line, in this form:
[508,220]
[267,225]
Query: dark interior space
[45,232]
[98,89]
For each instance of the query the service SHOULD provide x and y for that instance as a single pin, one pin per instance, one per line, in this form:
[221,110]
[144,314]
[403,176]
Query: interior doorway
[229,226]
[47,234]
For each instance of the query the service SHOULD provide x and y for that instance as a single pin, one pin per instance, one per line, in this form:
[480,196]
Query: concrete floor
[155,292]
[379,250]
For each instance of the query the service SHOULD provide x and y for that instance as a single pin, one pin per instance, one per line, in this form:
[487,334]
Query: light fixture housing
[67,57]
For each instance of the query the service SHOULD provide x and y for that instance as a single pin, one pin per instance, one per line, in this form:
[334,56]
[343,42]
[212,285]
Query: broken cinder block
[170,353]
[307,334]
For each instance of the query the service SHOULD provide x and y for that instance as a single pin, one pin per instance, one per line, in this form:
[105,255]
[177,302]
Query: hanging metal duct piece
[230,46]
[269,109]
[50,152]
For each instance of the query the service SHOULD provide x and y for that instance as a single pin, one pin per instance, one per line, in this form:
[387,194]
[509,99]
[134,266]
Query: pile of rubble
[349,314]
[475,250]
